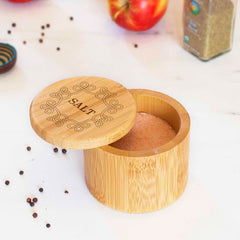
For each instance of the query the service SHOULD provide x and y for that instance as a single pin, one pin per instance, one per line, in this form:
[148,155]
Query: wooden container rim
[180,136]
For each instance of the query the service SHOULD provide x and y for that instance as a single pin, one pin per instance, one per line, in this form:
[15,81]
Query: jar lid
[83,112]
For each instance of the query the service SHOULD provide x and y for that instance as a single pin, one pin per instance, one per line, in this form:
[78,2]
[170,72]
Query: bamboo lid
[83,112]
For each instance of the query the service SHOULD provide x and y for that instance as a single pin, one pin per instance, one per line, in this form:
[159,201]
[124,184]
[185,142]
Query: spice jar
[208,27]
[93,113]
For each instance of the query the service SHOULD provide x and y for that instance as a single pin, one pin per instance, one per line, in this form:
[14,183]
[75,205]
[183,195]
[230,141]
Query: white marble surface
[93,45]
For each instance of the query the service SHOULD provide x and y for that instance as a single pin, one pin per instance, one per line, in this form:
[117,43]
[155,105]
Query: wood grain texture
[143,181]
[83,112]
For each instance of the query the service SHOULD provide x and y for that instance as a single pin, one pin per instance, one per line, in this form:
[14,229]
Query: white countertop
[93,45]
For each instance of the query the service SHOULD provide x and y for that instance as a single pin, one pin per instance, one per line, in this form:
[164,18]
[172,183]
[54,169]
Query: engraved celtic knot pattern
[50,107]
[59,119]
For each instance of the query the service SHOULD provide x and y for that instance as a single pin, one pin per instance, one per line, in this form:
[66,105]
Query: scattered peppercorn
[135,45]
[64,151]
[32,204]
[35,215]
[7,182]
[66,192]
[40,40]
[29,200]
[21,172]
[42,34]
[40,189]
[14,25]
[55,150]
[48,225]
[58,48]
[9,32]
[71,18]
[42,27]
[48,25]
[28,148]
[24,42]
[35,199]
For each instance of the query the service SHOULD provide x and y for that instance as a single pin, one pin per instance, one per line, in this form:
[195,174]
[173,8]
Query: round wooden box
[143,181]
[90,113]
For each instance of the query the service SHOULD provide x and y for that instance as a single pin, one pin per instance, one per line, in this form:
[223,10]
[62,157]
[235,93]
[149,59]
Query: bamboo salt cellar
[129,181]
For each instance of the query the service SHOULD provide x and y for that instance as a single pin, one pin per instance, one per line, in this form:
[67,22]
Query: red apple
[19,1]
[137,15]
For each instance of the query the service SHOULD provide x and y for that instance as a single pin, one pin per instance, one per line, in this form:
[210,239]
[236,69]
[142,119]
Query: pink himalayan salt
[148,133]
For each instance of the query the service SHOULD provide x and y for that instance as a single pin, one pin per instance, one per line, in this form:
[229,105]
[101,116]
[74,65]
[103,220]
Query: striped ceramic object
[8,57]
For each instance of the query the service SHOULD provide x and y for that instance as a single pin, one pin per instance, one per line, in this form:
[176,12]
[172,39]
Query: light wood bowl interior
[162,106]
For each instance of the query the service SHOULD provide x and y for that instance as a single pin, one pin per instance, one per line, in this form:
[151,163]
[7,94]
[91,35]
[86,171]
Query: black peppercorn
[48,225]
[55,150]
[7,182]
